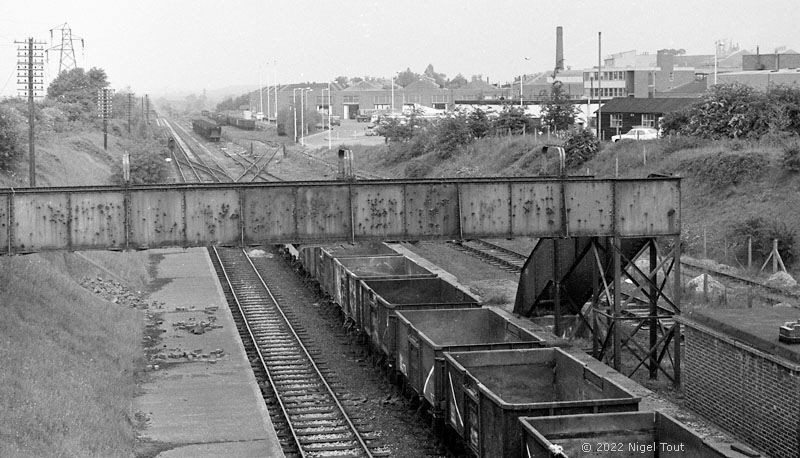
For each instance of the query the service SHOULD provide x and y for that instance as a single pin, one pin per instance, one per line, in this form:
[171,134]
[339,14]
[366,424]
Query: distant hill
[214,95]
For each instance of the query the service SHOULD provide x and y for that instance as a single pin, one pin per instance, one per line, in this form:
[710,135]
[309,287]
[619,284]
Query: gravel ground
[493,285]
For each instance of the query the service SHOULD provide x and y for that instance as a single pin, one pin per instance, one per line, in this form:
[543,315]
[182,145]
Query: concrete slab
[203,400]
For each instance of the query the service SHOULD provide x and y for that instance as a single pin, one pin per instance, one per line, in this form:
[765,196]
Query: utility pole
[105,97]
[147,109]
[599,86]
[30,68]
[330,127]
[130,108]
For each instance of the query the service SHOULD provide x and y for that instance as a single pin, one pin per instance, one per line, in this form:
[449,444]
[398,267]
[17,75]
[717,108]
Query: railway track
[309,416]
[493,254]
[250,166]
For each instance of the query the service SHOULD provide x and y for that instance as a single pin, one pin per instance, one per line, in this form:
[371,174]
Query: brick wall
[751,394]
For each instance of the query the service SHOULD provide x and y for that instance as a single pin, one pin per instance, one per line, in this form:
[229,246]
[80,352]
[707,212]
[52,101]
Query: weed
[791,157]
[495,298]
[721,170]
[418,169]
[763,232]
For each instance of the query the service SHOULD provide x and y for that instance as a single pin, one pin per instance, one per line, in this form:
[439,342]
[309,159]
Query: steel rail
[320,377]
[483,251]
[264,364]
[180,144]
[177,165]
[311,360]
[187,136]
[263,167]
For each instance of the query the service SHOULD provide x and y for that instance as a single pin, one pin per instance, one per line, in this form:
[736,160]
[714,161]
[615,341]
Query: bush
[721,170]
[579,147]
[479,123]
[147,166]
[418,169]
[763,232]
[10,134]
[675,143]
[791,158]
[451,133]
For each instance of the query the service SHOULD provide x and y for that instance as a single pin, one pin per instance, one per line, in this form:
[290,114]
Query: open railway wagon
[241,123]
[207,129]
[487,391]
[423,336]
[318,260]
[639,434]
[349,271]
[219,118]
[383,299]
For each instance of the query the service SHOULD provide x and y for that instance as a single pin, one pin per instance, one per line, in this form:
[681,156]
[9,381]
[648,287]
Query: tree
[479,123]
[737,110]
[457,82]
[674,52]
[79,88]
[784,109]
[451,133]
[439,78]
[579,147]
[342,81]
[558,112]
[395,130]
[405,78]
[513,120]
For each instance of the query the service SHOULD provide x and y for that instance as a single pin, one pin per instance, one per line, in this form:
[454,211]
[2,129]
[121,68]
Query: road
[349,133]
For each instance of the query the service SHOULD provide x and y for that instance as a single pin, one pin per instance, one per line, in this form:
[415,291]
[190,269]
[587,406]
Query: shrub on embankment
[68,359]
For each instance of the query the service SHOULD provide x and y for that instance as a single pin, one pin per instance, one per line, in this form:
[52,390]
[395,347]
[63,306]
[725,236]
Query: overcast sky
[167,46]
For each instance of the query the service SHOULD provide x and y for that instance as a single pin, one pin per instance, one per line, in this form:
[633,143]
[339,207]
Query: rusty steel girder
[141,217]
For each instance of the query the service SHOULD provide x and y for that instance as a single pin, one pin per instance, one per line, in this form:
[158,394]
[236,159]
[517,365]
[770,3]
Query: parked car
[336,120]
[637,133]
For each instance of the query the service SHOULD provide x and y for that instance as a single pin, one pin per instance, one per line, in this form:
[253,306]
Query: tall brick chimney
[559,48]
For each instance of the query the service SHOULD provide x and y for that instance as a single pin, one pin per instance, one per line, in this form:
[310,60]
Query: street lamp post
[294,111]
[520,84]
[302,114]
[261,94]
[330,108]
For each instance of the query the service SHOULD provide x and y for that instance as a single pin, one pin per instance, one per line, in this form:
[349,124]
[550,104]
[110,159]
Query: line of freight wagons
[486,378]
[207,129]
[235,121]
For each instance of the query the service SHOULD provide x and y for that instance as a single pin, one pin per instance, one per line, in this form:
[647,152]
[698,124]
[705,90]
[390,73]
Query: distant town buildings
[666,74]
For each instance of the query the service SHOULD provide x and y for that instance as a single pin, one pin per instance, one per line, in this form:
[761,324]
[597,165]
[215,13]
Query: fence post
[750,253]
[775,255]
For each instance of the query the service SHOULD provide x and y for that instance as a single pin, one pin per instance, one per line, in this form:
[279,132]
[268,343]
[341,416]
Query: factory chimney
[559,50]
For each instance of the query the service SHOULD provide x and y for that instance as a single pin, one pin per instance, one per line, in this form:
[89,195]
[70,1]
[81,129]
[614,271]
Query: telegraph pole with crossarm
[30,77]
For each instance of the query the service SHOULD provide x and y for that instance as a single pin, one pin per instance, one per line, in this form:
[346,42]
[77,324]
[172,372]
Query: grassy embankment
[69,358]
[718,190]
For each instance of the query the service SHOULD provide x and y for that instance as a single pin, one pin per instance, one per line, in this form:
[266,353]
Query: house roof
[478,85]
[692,87]
[422,83]
[365,86]
[634,105]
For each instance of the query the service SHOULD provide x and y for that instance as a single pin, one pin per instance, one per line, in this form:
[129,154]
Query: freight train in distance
[209,130]
[228,120]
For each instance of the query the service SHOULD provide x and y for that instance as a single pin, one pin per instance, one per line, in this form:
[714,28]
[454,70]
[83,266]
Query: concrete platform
[200,402]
